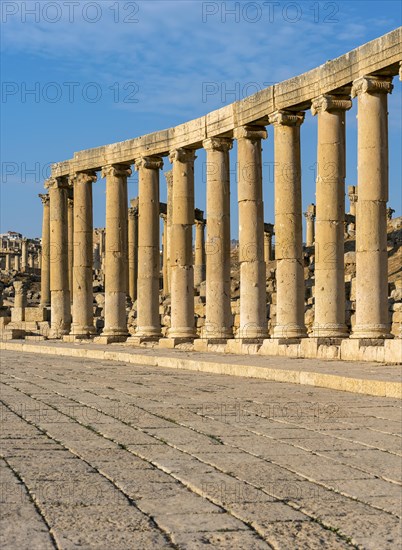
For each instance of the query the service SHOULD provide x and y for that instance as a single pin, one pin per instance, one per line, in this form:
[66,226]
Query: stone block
[37,314]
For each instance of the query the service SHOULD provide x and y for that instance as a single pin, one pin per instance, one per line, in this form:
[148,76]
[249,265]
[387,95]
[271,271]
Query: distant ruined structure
[236,316]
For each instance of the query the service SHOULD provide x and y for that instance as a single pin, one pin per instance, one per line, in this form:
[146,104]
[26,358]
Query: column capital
[57,183]
[45,199]
[133,212]
[163,216]
[253,133]
[287,118]
[19,287]
[116,170]
[152,163]
[330,102]
[199,223]
[83,177]
[218,144]
[309,215]
[182,155]
[372,85]
[169,177]
[70,202]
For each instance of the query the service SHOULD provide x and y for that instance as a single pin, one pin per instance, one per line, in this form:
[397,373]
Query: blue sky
[106,71]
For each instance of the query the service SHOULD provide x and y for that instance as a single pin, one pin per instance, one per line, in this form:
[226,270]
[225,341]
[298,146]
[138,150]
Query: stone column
[169,218]
[133,249]
[45,257]
[8,261]
[267,247]
[182,274]
[30,261]
[58,257]
[199,256]
[329,300]
[70,222]
[20,302]
[219,319]
[17,262]
[96,254]
[371,223]
[102,239]
[288,226]
[352,193]
[115,329]
[83,318]
[165,268]
[310,217]
[148,319]
[253,299]
[24,255]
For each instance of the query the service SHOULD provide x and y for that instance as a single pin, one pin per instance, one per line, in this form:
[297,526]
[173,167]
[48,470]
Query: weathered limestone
[352,194]
[148,320]
[329,318]
[83,319]
[169,220]
[218,323]
[20,302]
[8,261]
[199,257]
[268,233]
[310,217]
[115,329]
[17,262]
[133,249]
[371,223]
[165,268]
[45,257]
[97,259]
[70,224]
[59,267]
[253,317]
[182,274]
[288,226]
[24,255]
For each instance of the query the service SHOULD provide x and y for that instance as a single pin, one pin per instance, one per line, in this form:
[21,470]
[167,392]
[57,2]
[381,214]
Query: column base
[329,331]
[202,344]
[252,333]
[245,346]
[137,340]
[111,337]
[171,342]
[289,332]
[77,337]
[371,331]
[211,335]
[55,334]
[182,332]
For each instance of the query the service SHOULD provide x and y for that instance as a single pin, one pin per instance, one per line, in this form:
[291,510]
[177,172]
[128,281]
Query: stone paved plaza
[107,455]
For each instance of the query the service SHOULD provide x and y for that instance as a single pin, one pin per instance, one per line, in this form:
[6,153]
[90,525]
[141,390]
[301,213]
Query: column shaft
[219,319]
[253,299]
[169,218]
[70,223]
[288,226]
[165,267]
[83,319]
[148,320]
[329,318]
[59,289]
[133,251]
[199,256]
[45,256]
[182,274]
[371,223]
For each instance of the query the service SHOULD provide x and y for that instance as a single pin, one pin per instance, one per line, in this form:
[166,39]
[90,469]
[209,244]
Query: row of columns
[371,307]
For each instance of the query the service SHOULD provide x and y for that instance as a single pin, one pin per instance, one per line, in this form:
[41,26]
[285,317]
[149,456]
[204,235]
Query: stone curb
[379,388]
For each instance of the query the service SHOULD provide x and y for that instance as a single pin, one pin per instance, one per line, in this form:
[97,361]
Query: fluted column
[133,249]
[59,289]
[169,218]
[371,223]
[24,255]
[45,257]
[70,223]
[165,267]
[253,299]
[219,319]
[329,320]
[148,320]
[310,217]
[83,319]
[182,274]
[115,329]
[288,226]
[199,256]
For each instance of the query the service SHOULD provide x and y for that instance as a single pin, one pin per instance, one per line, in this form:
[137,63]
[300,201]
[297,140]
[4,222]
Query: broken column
[310,217]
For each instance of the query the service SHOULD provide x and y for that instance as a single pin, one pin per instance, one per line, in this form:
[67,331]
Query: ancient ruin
[321,298]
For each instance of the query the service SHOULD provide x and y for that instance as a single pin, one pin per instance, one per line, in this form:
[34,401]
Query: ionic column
[253,300]
[169,218]
[115,329]
[58,257]
[182,274]
[288,226]
[165,268]
[329,318]
[148,320]
[70,222]
[83,319]
[310,217]
[371,223]
[45,257]
[199,257]
[24,255]
[219,320]
[133,249]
